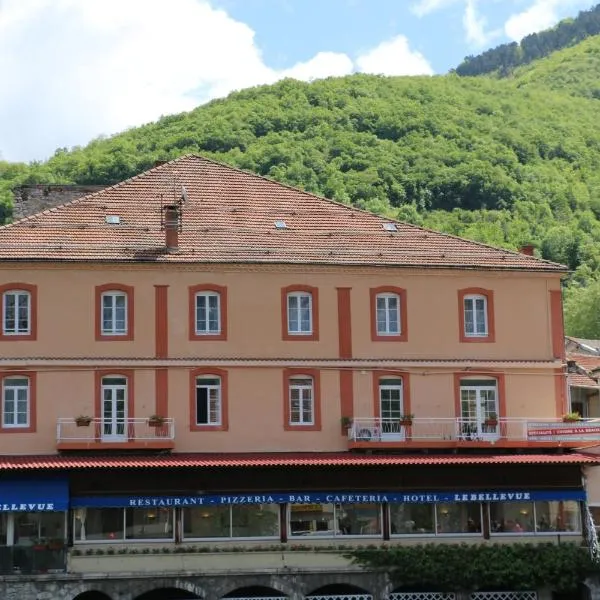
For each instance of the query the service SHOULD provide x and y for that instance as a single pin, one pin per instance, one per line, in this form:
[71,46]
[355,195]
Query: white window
[208,313]
[301,401]
[299,313]
[475,310]
[114,313]
[15,402]
[16,312]
[208,400]
[388,314]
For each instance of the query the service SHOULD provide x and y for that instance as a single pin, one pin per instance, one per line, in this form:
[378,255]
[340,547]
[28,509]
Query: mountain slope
[503,161]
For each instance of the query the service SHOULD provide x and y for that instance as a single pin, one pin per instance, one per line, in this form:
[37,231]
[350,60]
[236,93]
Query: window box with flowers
[156,420]
[83,421]
[406,420]
[571,417]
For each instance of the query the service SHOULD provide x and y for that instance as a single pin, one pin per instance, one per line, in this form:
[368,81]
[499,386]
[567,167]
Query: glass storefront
[535,517]
[231,521]
[332,520]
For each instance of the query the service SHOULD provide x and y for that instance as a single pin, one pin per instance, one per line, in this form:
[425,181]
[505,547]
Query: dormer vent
[390,226]
[280,224]
[112,219]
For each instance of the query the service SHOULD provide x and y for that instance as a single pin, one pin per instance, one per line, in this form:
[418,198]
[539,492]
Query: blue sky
[74,70]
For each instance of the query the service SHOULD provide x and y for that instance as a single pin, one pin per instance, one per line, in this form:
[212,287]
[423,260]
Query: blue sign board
[144,501]
[34,495]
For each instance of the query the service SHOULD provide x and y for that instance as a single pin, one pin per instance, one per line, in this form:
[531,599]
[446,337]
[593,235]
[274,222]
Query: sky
[74,70]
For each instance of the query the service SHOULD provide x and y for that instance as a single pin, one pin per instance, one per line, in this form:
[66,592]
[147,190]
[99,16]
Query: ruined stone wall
[31,199]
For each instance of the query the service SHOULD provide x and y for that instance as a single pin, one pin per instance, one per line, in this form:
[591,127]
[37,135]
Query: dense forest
[504,58]
[506,161]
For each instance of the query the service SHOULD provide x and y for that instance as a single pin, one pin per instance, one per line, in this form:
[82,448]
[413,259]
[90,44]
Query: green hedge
[443,567]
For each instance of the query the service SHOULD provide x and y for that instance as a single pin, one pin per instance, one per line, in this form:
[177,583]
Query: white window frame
[18,296]
[113,329]
[202,326]
[214,414]
[472,300]
[298,313]
[306,399]
[15,412]
[386,297]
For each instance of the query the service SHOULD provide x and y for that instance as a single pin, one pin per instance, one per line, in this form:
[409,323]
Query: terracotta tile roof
[586,364]
[56,462]
[229,217]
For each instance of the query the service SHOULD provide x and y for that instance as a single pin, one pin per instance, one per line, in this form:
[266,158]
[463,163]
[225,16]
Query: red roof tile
[55,462]
[229,217]
[586,363]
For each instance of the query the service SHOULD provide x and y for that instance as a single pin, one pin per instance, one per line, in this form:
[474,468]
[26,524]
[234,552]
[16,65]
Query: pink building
[202,356]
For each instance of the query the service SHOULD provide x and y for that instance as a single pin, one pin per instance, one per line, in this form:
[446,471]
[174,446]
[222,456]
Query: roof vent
[280,224]
[390,226]
[113,219]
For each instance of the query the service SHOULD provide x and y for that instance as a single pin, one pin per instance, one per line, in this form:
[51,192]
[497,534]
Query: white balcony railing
[471,430]
[119,430]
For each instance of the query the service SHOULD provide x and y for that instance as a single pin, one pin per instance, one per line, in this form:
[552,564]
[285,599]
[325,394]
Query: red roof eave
[61,462]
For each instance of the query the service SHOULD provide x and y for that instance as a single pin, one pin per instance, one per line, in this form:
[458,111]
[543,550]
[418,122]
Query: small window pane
[358,519]
[208,313]
[458,518]
[16,307]
[412,519]
[255,520]
[207,522]
[299,313]
[512,517]
[208,401]
[98,524]
[34,527]
[114,313]
[312,520]
[557,516]
[148,523]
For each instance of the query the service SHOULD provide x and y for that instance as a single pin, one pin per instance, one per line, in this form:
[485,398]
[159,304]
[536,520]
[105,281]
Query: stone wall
[31,199]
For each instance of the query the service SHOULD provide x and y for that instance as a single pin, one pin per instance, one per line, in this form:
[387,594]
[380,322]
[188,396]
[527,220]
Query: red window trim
[405,377]
[222,374]
[31,428]
[489,295]
[208,287]
[300,337]
[316,377]
[33,292]
[401,293]
[115,287]
[500,384]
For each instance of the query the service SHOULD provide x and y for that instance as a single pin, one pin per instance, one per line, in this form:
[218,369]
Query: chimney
[527,249]
[171,227]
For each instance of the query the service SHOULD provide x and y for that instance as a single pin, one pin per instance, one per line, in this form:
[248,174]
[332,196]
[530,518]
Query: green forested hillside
[504,161]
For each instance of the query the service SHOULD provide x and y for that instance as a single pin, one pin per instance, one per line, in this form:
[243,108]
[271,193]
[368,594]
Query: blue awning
[34,495]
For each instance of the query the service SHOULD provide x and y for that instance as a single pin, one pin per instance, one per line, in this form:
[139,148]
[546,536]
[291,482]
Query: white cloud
[394,57]
[474,25]
[424,7]
[540,15]
[73,70]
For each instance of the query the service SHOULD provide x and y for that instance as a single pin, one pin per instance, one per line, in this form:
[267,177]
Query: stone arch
[167,588]
[254,591]
[341,587]
[92,595]
[273,587]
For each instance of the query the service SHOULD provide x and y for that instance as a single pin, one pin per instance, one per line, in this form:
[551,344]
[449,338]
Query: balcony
[119,434]
[458,432]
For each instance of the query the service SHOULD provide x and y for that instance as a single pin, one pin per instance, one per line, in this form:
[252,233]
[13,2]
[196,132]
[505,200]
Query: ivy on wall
[444,567]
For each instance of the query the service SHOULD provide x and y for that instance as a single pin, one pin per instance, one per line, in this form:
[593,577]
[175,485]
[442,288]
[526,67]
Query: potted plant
[407,420]
[156,420]
[570,417]
[491,420]
[346,422]
[83,420]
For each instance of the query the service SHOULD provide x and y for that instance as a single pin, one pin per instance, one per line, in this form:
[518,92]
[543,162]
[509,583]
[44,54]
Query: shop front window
[96,524]
[557,516]
[458,518]
[412,519]
[512,517]
[332,520]
[38,528]
[3,528]
[148,523]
